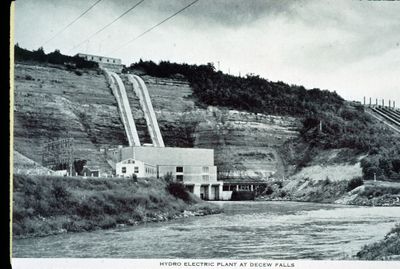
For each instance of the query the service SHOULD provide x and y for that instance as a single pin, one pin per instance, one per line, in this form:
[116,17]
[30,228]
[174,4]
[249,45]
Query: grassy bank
[386,249]
[351,192]
[44,205]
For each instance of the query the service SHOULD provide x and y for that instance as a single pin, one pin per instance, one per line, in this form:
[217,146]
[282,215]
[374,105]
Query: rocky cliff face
[52,102]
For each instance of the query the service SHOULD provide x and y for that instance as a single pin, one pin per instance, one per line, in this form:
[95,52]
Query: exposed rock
[57,103]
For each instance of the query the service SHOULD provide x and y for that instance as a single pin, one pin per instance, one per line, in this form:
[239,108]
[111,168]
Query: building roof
[106,57]
[171,156]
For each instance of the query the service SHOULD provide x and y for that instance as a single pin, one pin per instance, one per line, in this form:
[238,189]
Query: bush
[268,191]
[354,183]
[178,190]
[168,177]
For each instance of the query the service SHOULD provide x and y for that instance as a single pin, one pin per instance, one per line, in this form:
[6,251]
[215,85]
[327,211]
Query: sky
[351,47]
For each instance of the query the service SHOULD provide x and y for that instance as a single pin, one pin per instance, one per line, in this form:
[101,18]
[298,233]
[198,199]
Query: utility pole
[320,126]
[374,177]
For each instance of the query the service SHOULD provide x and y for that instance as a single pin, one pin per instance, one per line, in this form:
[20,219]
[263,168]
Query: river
[246,230]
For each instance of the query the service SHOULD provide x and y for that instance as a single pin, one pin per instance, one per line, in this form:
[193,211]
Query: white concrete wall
[100,59]
[170,156]
[119,92]
[193,174]
[141,91]
[130,169]
[225,195]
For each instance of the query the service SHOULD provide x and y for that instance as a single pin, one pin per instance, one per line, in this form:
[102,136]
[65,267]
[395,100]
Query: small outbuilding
[129,167]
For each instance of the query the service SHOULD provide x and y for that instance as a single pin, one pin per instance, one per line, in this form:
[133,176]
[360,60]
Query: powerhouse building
[194,167]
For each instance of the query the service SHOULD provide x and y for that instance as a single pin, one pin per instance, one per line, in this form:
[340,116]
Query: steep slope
[52,102]
[24,165]
[245,143]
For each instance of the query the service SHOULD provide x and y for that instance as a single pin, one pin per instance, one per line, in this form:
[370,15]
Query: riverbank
[386,249]
[46,205]
[370,193]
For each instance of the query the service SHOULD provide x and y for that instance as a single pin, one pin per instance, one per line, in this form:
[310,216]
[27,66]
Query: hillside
[44,205]
[258,128]
[53,102]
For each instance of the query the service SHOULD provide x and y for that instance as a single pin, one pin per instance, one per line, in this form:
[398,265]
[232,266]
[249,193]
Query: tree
[79,165]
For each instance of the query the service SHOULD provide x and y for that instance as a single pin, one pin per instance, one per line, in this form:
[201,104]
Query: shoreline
[326,202]
[204,210]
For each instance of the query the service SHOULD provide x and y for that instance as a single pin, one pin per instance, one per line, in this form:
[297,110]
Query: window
[179,169]
[136,170]
[205,177]
[179,178]
[123,170]
[205,169]
[225,187]
[244,187]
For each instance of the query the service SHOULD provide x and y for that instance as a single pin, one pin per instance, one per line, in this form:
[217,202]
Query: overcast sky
[352,47]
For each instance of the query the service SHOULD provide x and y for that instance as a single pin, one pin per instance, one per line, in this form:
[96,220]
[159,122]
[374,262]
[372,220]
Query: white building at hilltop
[113,64]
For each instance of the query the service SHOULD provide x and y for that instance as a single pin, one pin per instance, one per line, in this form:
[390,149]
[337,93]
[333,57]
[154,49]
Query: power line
[71,23]
[108,25]
[155,26]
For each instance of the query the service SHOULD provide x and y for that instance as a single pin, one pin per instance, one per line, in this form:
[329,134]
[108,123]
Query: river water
[246,230]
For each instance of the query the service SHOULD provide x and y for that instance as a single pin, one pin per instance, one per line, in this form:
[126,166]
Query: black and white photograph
[205,133]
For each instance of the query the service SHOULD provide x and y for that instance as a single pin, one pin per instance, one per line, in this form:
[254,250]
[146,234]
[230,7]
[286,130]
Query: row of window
[179,169]
[233,187]
[100,59]
[150,170]
[135,169]
[204,178]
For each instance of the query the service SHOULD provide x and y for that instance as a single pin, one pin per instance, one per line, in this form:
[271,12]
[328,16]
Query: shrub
[327,181]
[178,190]
[354,183]
[168,177]
[268,191]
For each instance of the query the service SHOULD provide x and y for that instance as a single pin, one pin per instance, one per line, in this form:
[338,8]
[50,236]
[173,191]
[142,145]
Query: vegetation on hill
[328,121]
[44,205]
[251,93]
[386,249]
[55,57]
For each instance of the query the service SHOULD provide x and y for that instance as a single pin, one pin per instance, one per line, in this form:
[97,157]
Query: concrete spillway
[141,91]
[118,89]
